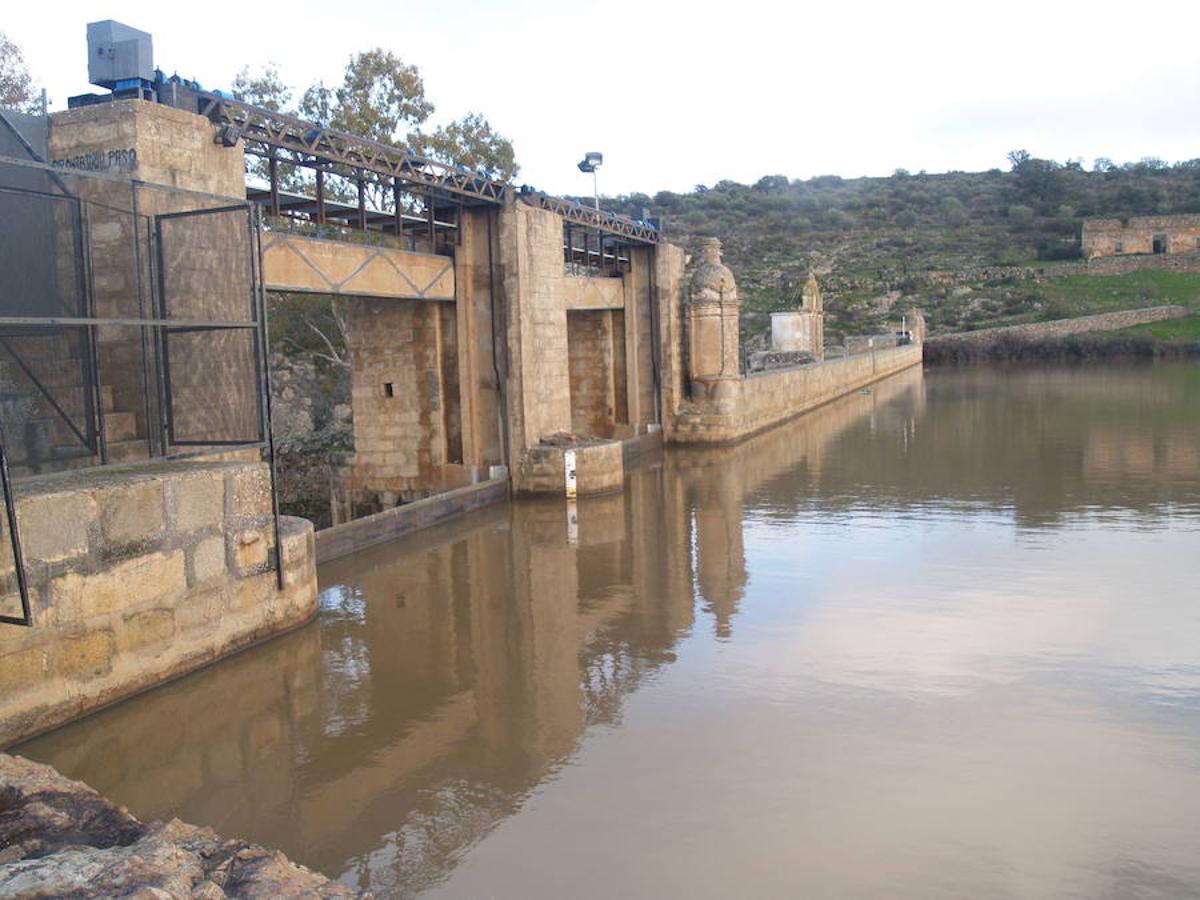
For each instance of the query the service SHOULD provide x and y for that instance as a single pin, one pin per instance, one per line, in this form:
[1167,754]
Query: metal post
[273,170]
[14,536]
[91,338]
[362,203]
[140,276]
[320,196]
[396,208]
[259,301]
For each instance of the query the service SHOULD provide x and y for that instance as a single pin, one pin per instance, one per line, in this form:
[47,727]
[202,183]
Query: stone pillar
[813,306]
[667,296]
[712,324]
[916,326]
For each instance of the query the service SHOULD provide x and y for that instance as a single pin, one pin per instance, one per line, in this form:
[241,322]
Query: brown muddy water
[938,640]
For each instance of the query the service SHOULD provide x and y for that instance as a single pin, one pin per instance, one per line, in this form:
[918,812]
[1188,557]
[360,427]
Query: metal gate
[132,327]
[210,303]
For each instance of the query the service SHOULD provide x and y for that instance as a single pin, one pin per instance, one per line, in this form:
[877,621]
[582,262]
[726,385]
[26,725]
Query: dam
[501,342]
[600,602]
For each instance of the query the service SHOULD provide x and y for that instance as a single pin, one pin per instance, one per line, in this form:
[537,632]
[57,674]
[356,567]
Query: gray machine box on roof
[117,54]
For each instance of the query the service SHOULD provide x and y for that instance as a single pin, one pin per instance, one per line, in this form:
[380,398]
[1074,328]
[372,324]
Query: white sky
[676,94]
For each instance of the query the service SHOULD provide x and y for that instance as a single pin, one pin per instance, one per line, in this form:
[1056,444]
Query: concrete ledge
[341,540]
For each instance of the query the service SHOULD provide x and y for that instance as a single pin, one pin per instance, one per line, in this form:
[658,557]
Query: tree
[265,89]
[472,142]
[954,213]
[383,98]
[1016,158]
[769,183]
[1037,179]
[16,87]
[380,98]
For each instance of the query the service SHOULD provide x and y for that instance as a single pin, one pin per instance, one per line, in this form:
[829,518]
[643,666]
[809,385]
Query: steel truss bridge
[268,134]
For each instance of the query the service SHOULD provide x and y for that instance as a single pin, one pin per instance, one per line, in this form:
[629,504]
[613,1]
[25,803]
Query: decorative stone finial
[712,283]
[712,322]
[812,300]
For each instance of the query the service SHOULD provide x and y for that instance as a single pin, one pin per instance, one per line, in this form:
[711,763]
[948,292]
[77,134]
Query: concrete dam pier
[501,342]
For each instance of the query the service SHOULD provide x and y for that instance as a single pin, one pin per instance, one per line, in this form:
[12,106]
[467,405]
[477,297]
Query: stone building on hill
[1140,234]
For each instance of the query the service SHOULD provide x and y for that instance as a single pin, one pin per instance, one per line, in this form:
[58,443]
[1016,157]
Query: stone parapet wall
[140,575]
[1033,331]
[864,343]
[748,405]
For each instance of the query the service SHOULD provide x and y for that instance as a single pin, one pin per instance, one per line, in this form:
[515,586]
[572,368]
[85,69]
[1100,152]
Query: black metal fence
[132,327]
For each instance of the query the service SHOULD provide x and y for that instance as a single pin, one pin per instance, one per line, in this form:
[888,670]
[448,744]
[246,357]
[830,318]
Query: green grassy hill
[944,243]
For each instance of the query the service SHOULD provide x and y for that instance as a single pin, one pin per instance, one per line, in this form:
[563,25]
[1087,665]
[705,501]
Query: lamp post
[590,163]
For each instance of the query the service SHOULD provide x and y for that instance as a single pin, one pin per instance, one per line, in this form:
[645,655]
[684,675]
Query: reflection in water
[940,639]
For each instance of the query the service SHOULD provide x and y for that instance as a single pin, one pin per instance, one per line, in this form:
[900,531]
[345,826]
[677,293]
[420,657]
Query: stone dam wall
[1035,331]
[742,407]
[138,575]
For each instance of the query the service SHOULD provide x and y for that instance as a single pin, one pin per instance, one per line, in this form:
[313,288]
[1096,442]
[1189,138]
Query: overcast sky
[677,94]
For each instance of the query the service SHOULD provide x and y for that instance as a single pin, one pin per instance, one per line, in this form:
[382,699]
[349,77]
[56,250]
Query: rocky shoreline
[59,838]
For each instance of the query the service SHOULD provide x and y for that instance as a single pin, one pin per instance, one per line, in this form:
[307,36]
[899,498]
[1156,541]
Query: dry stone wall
[1064,327]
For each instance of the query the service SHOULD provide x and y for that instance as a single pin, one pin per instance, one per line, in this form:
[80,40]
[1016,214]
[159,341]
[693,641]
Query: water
[938,640]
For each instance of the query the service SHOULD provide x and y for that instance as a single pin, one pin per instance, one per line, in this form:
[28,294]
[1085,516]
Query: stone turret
[811,297]
[917,326]
[712,320]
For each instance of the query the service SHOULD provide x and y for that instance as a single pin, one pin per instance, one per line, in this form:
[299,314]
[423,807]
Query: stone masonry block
[208,560]
[55,526]
[248,549]
[252,593]
[148,631]
[197,502]
[23,670]
[248,492]
[132,515]
[201,608]
[131,583]
[87,656]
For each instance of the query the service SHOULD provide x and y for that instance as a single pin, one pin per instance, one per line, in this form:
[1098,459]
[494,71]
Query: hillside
[945,243]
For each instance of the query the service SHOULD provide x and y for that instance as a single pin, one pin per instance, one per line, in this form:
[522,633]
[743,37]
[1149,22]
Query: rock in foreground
[60,838]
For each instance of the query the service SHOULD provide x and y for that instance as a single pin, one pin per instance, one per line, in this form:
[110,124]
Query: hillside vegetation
[959,245]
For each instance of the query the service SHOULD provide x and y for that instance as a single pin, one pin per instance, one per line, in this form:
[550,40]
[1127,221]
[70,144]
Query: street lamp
[591,162]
